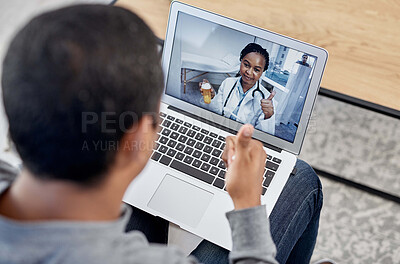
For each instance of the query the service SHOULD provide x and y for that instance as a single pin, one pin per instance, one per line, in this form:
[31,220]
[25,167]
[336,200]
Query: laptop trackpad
[180,200]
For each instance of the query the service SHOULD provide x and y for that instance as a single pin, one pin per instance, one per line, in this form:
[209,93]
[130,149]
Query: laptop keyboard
[197,152]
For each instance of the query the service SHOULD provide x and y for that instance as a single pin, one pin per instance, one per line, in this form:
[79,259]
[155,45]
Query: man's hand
[267,106]
[245,162]
[212,88]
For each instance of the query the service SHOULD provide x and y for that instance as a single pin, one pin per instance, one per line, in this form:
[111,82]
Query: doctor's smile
[247,78]
[251,69]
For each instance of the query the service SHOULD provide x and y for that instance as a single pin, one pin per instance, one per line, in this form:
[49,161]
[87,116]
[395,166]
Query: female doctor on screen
[243,98]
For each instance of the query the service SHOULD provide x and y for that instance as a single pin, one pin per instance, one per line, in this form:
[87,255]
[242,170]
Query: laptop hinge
[227,129]
[279,150]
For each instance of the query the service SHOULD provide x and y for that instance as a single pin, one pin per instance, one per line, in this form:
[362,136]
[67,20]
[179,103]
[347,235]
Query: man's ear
[137,143]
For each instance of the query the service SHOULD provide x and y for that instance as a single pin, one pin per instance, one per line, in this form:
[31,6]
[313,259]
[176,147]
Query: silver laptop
[184,180]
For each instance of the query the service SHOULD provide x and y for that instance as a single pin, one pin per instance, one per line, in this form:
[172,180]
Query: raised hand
[267,106]
[245,160]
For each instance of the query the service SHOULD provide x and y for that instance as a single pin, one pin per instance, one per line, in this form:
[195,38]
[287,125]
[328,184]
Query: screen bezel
[320,54]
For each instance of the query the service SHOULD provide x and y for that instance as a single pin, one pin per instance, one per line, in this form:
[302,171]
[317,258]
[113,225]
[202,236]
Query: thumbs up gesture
[267,106]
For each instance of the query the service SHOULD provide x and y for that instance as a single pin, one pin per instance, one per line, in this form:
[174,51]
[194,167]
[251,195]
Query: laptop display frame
[320,54]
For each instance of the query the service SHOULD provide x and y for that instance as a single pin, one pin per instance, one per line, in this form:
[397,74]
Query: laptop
[184,180]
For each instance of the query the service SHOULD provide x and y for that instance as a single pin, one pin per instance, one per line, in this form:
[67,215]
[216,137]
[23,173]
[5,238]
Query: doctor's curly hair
[254,47]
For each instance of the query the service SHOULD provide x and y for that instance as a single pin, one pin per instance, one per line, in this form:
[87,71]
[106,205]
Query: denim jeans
[294,222]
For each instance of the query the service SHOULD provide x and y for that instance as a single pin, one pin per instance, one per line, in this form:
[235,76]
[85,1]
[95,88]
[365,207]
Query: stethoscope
[252,94]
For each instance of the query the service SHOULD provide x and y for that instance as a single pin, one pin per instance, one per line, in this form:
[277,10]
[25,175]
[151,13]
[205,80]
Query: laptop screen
[240,76]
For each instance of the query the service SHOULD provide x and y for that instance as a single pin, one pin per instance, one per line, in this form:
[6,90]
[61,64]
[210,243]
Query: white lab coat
[250,111]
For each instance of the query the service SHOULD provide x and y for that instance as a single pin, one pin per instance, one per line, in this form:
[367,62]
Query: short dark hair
[254,47]
[81,59]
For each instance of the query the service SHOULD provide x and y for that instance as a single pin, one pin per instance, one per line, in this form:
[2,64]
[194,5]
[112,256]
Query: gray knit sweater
[105,242]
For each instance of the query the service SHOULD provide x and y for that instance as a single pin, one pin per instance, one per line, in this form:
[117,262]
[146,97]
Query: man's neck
[33,199]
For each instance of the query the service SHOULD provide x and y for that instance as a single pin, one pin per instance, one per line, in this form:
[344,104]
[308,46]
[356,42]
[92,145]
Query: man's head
[74,81]
[304,58]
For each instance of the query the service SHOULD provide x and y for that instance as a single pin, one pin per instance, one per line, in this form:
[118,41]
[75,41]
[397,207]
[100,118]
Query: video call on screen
[211,53]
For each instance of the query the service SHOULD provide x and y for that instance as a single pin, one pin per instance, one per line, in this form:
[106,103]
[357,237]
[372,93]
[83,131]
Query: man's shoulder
[304,64]
[126,248]
[84,244]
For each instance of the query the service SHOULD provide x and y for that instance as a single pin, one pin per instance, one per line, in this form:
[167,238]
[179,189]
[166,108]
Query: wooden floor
[362,37]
